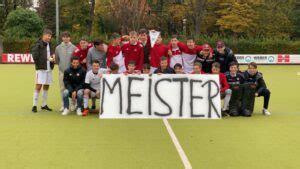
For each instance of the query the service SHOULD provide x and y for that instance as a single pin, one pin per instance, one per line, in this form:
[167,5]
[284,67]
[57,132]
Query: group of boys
[81,68]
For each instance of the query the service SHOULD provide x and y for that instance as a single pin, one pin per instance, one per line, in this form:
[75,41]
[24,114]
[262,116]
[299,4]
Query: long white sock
[35,97]
[226,102]
[85,102]
[45,97]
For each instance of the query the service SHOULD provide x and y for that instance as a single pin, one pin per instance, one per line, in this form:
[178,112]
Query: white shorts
[43,77]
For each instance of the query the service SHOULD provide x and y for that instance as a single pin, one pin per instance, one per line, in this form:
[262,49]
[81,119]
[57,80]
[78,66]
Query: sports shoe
[46,108]
[79,113]
[85,112]
[61,109]
[266,112]
[93,107]
[34,109]
[65,112]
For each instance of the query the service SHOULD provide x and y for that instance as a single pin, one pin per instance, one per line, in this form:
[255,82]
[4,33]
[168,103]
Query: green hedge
[241,45]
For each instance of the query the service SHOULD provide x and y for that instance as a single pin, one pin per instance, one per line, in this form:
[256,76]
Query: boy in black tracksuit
[206,58]
[74,83]
[224,56]
[252,76]
[236,80]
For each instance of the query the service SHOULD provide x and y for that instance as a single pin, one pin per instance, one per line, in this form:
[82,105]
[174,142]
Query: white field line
[184,159]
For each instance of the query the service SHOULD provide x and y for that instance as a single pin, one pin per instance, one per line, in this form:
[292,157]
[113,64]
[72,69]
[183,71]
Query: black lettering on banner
[130,95]
[149,97]
[210,97]
[181,81]
[162,100]
[111,90]
[194,97]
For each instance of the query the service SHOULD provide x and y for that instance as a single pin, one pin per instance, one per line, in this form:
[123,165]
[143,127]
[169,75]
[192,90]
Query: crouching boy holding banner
[256,88]
[92,85]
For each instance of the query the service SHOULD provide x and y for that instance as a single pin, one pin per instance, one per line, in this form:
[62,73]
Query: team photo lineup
[81,68]
[149,84]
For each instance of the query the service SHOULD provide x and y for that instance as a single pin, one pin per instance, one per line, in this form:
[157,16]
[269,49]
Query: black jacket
[39,54]
[206,62]
[256,79]
[225,59]
[74,79]
[235,80]
[166,71]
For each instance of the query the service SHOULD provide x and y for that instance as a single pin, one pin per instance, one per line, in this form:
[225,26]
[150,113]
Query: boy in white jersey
[92,85]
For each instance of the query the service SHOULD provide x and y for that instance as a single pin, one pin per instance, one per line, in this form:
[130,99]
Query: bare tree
[197,14]
[91,17]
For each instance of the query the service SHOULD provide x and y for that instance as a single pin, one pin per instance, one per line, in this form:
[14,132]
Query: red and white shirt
[176,57]
[114,54]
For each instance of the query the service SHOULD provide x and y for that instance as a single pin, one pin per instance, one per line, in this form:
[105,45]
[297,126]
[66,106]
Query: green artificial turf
[49,140]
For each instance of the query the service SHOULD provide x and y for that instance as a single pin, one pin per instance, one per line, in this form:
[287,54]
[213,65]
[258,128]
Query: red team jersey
[189,56]
[223,83]
[114,54]
[176,57]
[134,53]
[82,54]
[156,53]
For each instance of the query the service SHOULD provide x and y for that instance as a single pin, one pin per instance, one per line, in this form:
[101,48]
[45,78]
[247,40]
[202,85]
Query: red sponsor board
[17,58]
[283,59]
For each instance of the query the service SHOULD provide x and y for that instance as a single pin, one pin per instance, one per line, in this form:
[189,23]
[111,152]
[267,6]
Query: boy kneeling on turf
[74,82]
[224,87]
[92,85]
[235,80]
[252,76]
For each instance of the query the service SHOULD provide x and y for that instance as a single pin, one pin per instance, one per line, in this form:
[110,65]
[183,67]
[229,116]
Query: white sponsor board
[17,58]
[268,59]
[21,58]
[160,96]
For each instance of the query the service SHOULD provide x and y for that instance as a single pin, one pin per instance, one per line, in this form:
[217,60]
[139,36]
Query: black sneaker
[34,109]
[46,108]
[93,107]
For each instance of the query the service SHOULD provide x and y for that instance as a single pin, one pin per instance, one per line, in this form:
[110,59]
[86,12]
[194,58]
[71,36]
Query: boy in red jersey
[189,53]
[81,51]
[175,53]
[224,86]
[133,51]
[158,51]
[114,53]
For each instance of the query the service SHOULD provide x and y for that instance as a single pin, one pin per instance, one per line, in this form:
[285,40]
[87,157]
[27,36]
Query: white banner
[160,96]
[268,59]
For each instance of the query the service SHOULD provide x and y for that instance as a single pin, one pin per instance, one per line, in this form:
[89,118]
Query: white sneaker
[72,107]
[79,112]
[65,112]
[266,112]
[61,109]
